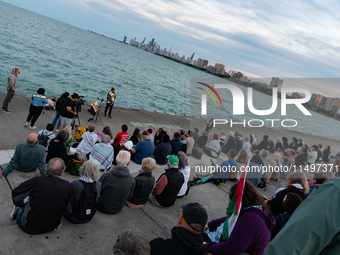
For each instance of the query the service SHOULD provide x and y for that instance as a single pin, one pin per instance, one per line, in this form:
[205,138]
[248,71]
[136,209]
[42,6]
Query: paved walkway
[98,236]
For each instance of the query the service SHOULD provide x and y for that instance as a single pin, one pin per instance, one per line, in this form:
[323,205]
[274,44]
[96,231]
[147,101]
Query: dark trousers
[34,114]
[8,99]
[108,107]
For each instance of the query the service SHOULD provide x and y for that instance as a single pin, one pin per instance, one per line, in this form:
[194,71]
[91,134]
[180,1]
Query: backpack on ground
[86,207]
[43,139]
[79,132]
[196,153]
[263,184]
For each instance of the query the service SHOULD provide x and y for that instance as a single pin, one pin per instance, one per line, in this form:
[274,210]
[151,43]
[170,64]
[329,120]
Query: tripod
[73,124]
[97,115]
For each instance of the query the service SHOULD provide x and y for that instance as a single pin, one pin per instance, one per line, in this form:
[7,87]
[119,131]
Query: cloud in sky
[266,38]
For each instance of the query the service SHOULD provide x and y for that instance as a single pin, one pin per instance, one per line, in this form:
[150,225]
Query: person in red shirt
[121,137]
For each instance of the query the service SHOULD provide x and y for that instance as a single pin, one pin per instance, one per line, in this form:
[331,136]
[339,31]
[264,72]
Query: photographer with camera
[68,111]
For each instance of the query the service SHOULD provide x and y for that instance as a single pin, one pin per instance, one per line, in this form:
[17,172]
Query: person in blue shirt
[143,148]
[37,105]
[228,166]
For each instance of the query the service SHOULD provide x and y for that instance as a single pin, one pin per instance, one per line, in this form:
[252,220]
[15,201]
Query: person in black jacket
[59,107]
[264,144]
[49,198]
[57,148]
[231,143]
[301,158]
[186,237]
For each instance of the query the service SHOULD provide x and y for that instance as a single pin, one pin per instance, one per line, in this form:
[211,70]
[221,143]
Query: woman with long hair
[106,131]
[297,183]
[252,230]
[136,137]
[326,153]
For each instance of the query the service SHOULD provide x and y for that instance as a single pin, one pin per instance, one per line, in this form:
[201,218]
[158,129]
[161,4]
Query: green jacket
[27,158]
[314,228]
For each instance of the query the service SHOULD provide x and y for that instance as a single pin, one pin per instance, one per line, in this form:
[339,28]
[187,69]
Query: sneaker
[13,213]
[6,111]
[33,127]
[26,124]
[110,117]
[57,130]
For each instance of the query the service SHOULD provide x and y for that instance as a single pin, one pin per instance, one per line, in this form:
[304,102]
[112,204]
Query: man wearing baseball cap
[165,192]
[143,149]
[185,238]
[231,143]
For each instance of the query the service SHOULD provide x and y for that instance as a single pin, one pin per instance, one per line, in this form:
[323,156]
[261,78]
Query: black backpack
[86,207]
[43,139]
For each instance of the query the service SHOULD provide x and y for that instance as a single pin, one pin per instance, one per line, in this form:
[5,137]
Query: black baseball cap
[195,216]
[145,133]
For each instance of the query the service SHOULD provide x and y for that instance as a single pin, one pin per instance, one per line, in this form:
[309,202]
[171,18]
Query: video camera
[79,103]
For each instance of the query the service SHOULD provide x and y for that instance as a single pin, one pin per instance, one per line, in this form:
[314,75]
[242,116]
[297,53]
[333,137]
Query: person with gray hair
[49,198]
[131,242]
[184,168]
[117,186]
[12,84]
[85,201]
[27,157]
[165,192]
[103,153]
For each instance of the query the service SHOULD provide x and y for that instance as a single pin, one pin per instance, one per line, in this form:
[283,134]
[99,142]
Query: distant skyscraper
[276,83]
[205,63]
[219,68]
[191,58]
[152,42]
[124,41]
[144,40]
[199,62]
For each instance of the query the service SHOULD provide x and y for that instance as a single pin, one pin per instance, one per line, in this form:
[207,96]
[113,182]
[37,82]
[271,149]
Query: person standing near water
[12,84]
[111,96]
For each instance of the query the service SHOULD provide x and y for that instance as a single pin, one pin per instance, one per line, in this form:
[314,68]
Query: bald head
[32,138]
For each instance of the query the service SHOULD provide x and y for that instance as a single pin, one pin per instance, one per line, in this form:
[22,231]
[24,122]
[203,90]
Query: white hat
[128,145]
[231,134]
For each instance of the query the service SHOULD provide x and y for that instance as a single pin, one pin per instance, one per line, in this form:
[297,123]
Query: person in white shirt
[313,155]
[89,139]
[184,168]
[48,132]
[213,149]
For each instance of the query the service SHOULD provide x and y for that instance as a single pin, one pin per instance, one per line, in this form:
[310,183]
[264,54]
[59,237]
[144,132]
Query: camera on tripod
[79,103]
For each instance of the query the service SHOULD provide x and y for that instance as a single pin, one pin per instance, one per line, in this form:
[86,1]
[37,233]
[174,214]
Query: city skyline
[267,39]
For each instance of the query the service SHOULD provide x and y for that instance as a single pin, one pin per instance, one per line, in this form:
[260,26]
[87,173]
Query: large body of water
[60,57]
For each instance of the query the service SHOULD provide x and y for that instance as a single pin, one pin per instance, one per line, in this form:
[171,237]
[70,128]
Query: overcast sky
[286,39]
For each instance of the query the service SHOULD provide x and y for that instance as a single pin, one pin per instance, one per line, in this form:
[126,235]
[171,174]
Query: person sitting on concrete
[143,149]
[103,153]
[313,155]
[239,143]
[273,168]
[57,149]
[190,142]
[186,237]
[252,231]
[48,132]
[314,227]
[106,131]
[121,137]
[89,139]
[128,146]
[229,167]
[291,155]
[195,136]
[297,183]
[144,184]
[158,136]
[255,170]
[202,140]
[165,192]
[136,137]
[271,145]
[27,157]
[184,168]
[316,180]
[131,242]
[326,153]
[163,150]
[246,145]
[152,137]
[183,141]
[231,143]
[319,159]
[213,148]
[176,144]
[290,202]
[263,145]
[49,198]
[117,186]
[83,211]
[301,158]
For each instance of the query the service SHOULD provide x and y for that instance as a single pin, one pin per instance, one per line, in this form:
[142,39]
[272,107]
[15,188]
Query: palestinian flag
[234,208]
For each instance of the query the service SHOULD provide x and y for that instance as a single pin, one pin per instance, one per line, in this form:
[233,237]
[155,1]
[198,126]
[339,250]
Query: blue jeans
[332,156]
[56,119]
[208,152]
